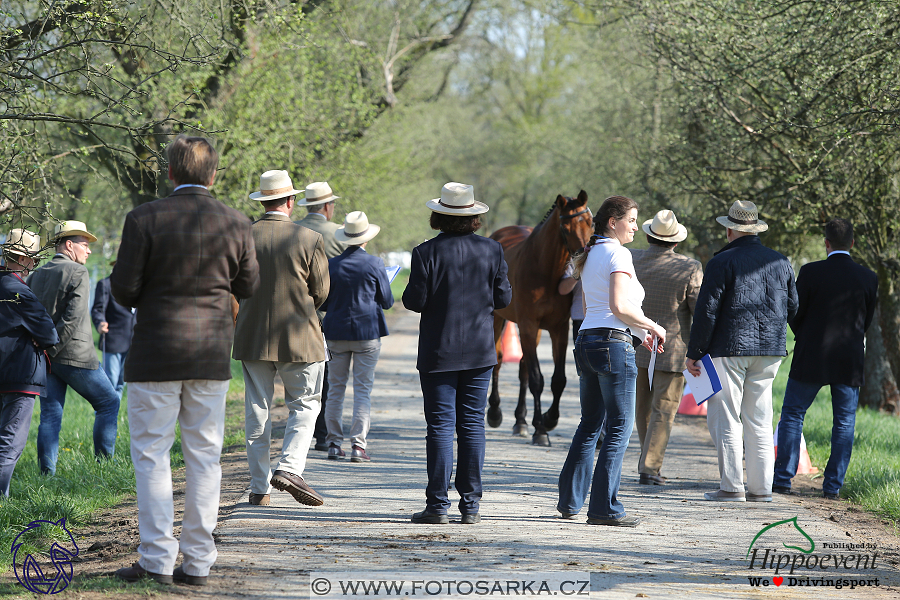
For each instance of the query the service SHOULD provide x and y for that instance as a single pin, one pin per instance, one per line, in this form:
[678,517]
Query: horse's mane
[549,212]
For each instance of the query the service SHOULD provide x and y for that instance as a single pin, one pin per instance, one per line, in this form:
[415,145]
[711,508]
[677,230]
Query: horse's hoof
[540,439]
[550,423]
[494,416]
[520,430]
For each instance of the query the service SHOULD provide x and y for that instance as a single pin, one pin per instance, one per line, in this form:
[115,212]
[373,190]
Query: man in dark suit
[181,259]
[837,303]
[115,324]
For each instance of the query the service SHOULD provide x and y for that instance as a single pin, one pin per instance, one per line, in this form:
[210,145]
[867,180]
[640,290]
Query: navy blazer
[120,319]
[457,281]
[837,303]
[360,288]
[23,367]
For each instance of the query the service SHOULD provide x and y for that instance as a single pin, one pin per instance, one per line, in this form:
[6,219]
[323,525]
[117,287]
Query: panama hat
[457,199]
[274,185]
[743,216]
[22,242]
[318,192]
[664,226]
[356,229]
[70,229]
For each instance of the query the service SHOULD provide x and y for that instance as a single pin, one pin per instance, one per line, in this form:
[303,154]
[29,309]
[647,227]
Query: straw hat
[22,242]
[743,216]
[318,192]
[70,229]
[356,229]
[664,226]
[457,199]
[274,185]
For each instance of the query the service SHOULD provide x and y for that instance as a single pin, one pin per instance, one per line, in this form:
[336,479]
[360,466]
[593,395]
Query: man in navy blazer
[837,303]
[115,324]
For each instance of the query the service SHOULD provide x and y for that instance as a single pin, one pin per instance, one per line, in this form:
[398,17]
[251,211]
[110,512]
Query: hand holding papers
[705,385]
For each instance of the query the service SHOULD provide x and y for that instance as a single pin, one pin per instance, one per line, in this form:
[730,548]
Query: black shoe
[430,518]
[136,573]
[470,519]
[322,446]
[782,489]
[181,577]
[652,479]
[829,496]
[622,522]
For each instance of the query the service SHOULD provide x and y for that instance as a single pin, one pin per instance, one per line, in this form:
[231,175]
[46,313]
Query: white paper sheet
[707,384]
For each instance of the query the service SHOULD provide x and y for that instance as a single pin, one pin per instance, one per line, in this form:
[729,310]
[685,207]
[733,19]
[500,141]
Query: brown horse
[537,260]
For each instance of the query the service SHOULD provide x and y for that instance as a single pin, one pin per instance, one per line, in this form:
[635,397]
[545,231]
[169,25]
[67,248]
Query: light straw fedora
[22,242]
[743,216]
[318,192]
[457,199]
[664,226]
[70,229]
[356,229]
[274,185]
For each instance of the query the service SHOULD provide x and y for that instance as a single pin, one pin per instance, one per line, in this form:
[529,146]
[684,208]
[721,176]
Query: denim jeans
[455,400]
[95,387]
[608,380]
[114,366]
[798,397]
[15,419]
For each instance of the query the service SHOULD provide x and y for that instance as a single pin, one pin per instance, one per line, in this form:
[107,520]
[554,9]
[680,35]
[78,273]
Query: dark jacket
[23,368]
[747,297]
[837,303]
[360,288]
[64,288]
[180,260]
[119,318]
[456,281]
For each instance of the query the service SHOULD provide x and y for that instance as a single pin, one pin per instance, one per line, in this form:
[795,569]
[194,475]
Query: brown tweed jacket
[671,282]
[279,323]
[180,260]
[318,222]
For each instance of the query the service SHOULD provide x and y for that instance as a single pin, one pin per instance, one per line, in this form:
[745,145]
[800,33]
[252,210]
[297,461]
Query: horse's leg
[520,428]
[530,372]
[559,338]
[494,414]
[529,335]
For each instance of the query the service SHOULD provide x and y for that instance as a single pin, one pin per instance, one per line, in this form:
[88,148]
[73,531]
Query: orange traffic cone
[804,467]
[689,406]
[510,344]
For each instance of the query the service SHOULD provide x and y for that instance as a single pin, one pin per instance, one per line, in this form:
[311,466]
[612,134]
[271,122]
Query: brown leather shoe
[259,499]
[181,577]
[296,487]
[652,479]
[136,573]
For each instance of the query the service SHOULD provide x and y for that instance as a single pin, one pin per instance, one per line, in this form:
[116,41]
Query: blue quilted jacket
[747,297]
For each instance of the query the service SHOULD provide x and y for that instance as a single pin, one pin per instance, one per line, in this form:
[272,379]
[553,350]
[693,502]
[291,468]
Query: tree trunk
[880,390]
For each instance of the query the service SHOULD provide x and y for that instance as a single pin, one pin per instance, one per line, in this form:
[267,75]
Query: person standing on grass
[837,304]
[181,259]
[115,324]
[354,326]
[63,287]
[319,202]
[26,330]
[278,333]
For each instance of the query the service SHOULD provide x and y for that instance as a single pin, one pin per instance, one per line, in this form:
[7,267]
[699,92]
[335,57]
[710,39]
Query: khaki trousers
[655,415]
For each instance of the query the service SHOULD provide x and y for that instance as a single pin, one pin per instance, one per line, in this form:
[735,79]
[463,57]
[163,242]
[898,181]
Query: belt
[615,334]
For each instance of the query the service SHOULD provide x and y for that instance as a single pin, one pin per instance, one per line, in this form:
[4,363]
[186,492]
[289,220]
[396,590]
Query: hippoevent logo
[804,566]
[29,571]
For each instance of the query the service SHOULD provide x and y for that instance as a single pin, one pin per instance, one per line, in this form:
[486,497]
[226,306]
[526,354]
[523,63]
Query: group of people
[311,302]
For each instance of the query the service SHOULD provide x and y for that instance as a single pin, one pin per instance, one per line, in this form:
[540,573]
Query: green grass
[873,477]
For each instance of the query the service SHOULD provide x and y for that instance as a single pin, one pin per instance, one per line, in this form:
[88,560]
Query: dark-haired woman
[456,281]
[604,355]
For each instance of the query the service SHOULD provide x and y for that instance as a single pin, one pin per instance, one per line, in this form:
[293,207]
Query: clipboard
[707,384]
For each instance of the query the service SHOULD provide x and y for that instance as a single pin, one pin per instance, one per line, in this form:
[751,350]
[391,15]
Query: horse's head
[576,224]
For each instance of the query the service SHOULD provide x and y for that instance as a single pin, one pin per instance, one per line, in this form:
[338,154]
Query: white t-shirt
[605,258]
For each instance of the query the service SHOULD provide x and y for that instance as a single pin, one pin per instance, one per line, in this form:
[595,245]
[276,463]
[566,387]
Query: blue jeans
[798,397]
[455,400]
[114,366]
[94,386]
[15,419]
[608,381]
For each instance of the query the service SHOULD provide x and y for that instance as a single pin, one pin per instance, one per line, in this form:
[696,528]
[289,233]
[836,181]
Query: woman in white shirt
[604,356]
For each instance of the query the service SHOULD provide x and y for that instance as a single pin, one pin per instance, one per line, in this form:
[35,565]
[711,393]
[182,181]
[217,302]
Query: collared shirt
[839,252]
[184,185]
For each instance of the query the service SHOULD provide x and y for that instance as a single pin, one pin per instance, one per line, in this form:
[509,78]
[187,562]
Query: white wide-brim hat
[743,216]
[664,226]
[356,229]
[274,185]
[22,242]
[318,192]
[71,229]
[457,199]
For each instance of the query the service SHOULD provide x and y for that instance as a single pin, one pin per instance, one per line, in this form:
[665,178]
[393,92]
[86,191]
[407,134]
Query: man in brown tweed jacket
[671,283]
[181,259]
[278,332]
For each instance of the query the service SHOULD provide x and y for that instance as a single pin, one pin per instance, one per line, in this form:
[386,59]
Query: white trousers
[364,354]
[740,417]
[303,398]
[154,407]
